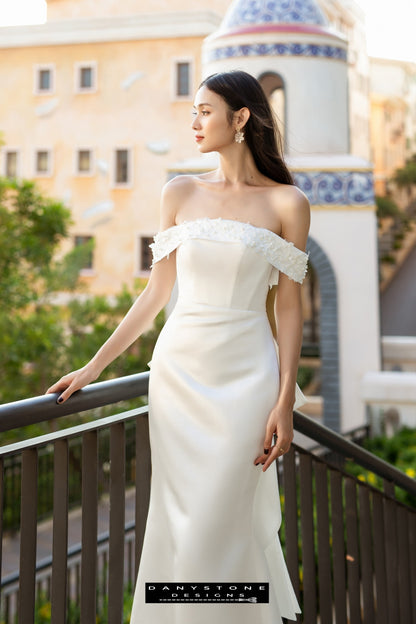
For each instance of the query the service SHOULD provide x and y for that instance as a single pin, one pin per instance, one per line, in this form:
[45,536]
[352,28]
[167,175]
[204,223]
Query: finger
[57,387]
[268,440]
[261,459]
[283,444]
[273,456]
[67,393]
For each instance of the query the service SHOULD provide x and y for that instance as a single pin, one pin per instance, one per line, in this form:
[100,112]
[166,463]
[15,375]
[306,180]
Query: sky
[390,25]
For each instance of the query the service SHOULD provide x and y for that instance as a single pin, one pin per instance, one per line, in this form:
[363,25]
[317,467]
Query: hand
[70,383]
[280,422]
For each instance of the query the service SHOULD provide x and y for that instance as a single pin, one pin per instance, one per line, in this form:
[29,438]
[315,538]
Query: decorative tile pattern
[276,49]
[344,187]
[249,12]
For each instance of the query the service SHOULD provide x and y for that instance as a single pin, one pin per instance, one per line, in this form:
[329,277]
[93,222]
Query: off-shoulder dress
[213,515]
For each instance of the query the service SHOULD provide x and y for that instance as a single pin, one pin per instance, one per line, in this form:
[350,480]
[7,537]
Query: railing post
[405,588]
[390,536]
[28,530]
[117,513]
[60,533]
[338,548]
[353,565]
[143,472]
[308,542]
[366,555]
[380,567]
[89,527]
[324,554]
[291,518]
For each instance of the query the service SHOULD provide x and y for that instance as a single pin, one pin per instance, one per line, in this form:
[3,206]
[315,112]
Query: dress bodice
[227,263]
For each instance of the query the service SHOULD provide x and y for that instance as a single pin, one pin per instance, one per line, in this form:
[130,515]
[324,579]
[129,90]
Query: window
[44,79]
[86,77]
[84,162]
[87,242]
[182,79]
[274,89]
[145,253]
[122,167]
[11,163]
[43,162]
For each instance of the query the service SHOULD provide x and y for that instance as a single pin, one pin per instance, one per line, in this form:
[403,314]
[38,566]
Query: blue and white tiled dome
[246,13]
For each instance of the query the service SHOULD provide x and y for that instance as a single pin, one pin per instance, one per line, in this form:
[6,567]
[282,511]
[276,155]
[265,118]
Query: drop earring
[239,136]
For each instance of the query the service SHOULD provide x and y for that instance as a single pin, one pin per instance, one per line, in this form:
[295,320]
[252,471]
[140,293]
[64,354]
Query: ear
[241,117]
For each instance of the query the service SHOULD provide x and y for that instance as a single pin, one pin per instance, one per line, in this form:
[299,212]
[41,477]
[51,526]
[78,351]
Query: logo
[207,592]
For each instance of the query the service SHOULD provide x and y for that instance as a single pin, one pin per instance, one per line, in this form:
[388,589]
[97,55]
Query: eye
[204,112]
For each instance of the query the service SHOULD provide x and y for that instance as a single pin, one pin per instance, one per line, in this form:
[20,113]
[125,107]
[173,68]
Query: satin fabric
[214,515]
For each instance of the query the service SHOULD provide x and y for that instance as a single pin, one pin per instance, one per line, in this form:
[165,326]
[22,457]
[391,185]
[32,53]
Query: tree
[405,177]
[39,339]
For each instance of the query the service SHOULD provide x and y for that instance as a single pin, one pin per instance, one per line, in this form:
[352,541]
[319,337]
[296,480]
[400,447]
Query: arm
[140,316]
[295,219]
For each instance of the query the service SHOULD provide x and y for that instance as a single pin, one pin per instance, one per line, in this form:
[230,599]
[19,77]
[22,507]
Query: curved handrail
[44,407]
[39,409]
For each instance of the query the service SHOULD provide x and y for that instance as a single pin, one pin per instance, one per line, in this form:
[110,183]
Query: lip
[198,138]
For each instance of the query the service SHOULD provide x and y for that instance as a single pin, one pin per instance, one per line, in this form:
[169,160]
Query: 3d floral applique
[282,254]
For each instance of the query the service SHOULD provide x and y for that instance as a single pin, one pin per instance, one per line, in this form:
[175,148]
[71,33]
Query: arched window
[274,88]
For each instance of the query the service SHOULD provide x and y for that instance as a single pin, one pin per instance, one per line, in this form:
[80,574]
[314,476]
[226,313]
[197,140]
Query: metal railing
[350,547]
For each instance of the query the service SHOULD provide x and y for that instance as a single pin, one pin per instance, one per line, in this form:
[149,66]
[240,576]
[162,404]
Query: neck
[237,166]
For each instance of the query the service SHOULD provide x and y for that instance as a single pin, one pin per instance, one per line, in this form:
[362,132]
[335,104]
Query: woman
[217,393]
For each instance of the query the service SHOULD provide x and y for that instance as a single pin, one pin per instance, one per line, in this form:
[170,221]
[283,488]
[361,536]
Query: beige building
[393,117]
[96,106]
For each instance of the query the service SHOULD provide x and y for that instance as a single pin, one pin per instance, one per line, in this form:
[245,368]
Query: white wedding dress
[214,515]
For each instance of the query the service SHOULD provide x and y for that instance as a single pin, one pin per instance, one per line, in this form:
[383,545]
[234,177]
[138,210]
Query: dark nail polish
[266,451]
[59,400]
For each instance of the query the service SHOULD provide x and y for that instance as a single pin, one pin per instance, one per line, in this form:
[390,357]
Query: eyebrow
[203,104]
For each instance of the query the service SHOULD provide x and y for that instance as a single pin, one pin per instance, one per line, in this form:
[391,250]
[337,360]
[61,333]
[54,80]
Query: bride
[219,391]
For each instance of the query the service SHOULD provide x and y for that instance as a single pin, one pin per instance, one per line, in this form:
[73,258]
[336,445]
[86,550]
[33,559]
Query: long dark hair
[239,89]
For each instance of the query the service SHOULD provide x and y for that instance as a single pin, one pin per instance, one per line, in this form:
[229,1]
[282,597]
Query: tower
[301,63]
[288,46]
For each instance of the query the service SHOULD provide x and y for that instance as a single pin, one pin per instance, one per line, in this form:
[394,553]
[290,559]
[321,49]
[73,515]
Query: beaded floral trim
[282,254]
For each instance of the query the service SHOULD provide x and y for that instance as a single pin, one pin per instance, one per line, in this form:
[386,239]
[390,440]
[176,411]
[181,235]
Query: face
[210,123]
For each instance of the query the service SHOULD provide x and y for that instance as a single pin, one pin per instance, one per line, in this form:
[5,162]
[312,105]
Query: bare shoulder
[293,209]
[174,194]
[178,187]
[288,198]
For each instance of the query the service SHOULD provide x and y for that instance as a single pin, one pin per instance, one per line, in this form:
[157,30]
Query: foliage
[405,177]
[389,258]
[398,450]
[43,609]
[41,339]
[305,376]
[386,207]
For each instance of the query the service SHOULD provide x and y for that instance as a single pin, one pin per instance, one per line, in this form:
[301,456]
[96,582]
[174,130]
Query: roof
[246,14]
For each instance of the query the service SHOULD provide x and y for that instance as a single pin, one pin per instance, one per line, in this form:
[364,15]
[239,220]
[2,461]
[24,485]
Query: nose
[195,123]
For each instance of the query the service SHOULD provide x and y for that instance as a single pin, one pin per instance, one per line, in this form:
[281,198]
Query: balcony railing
[350,546]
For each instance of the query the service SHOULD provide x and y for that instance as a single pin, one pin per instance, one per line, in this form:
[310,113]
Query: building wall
[393,117]
[74,9]
[344,235]
[134,45]
[133,106]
